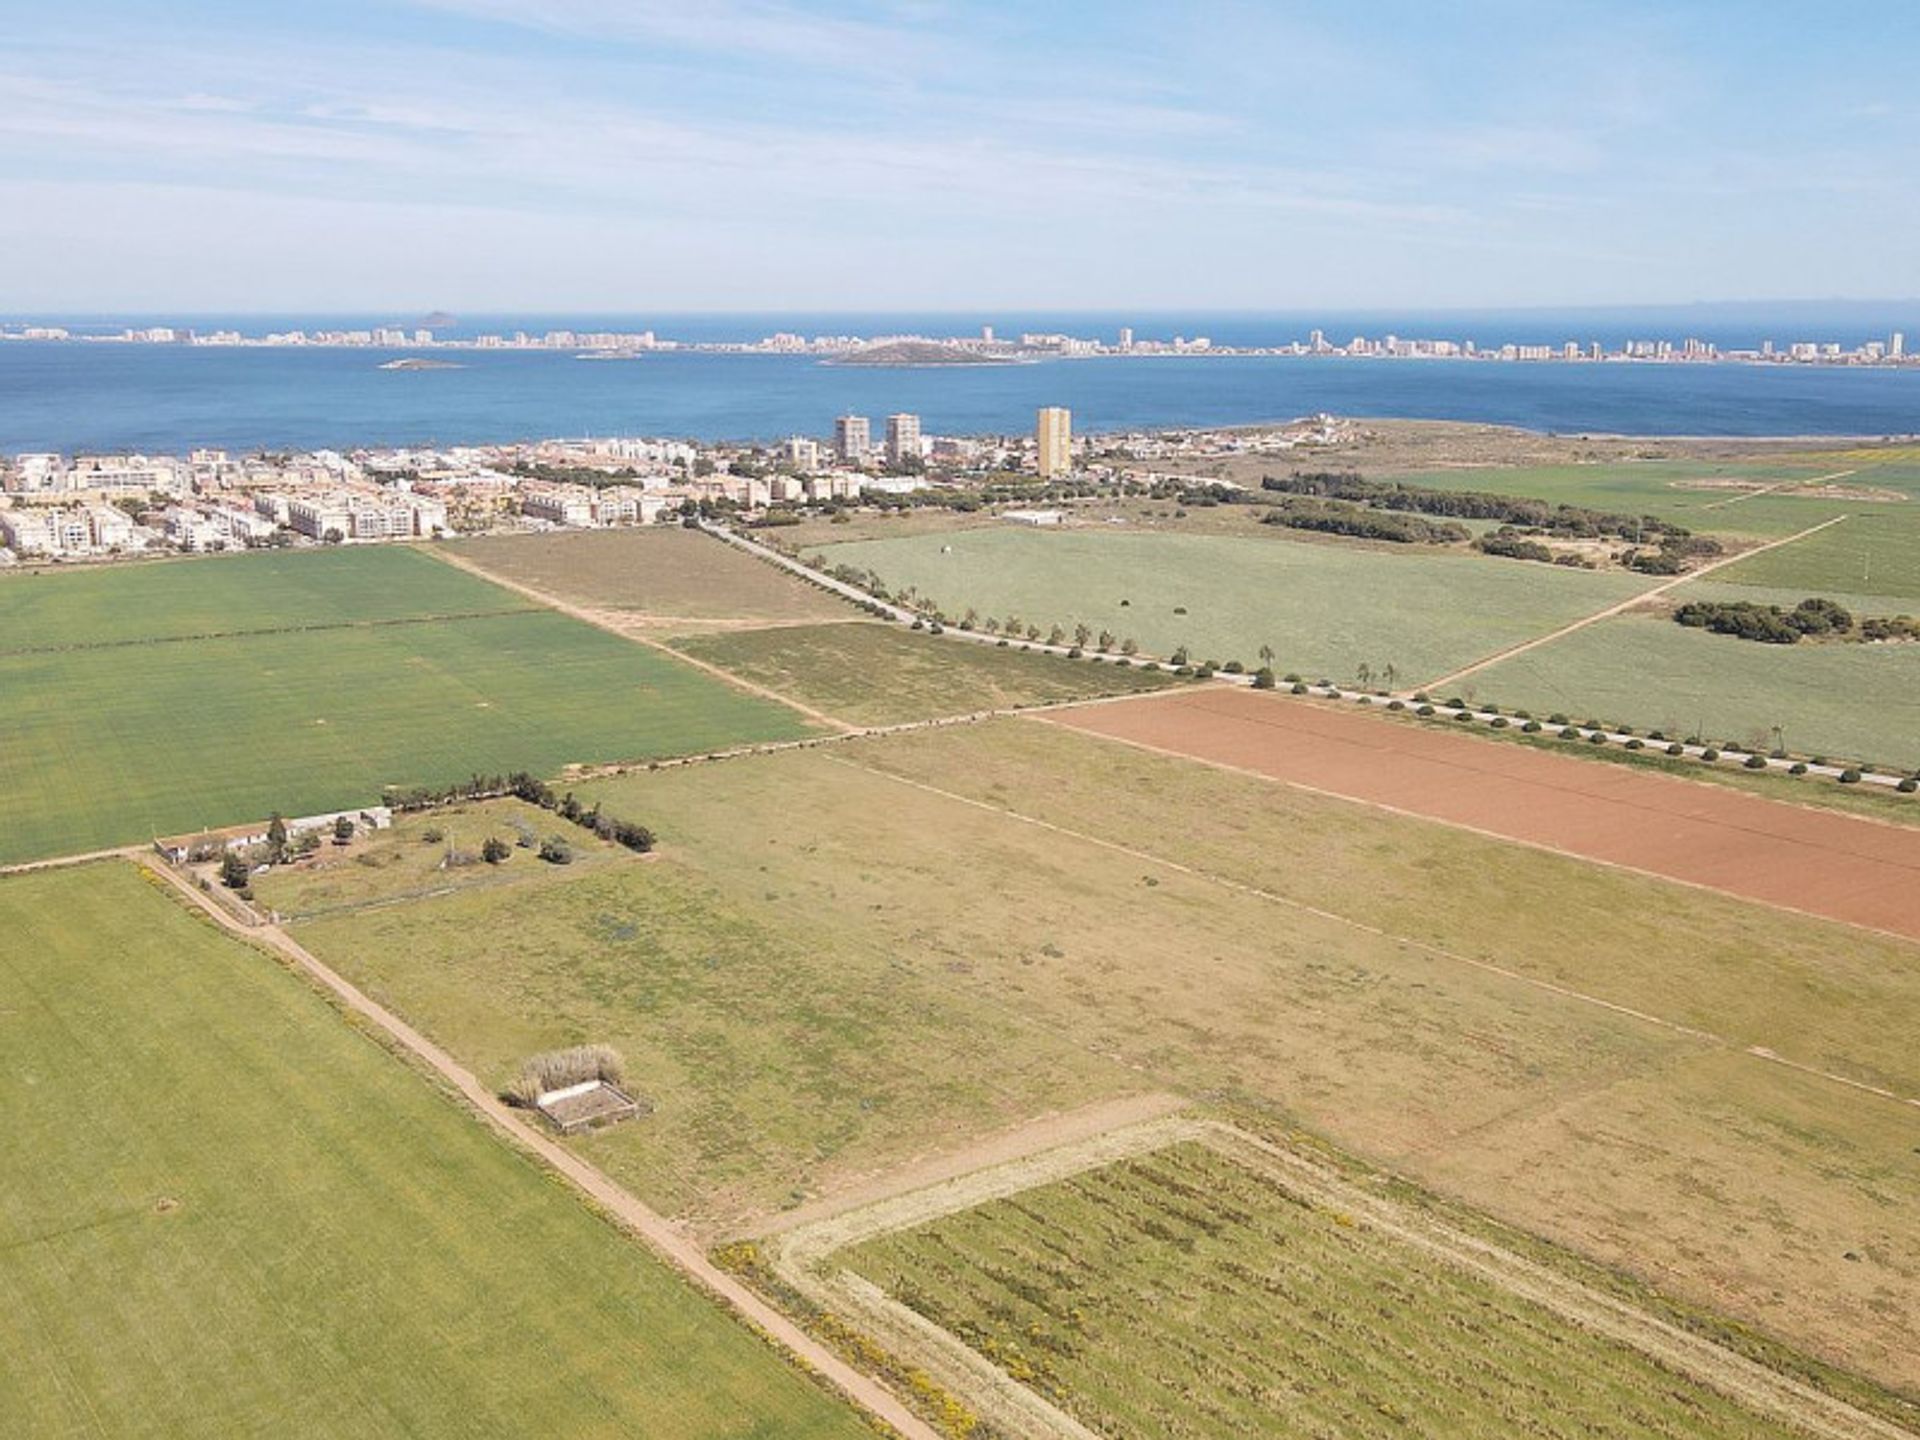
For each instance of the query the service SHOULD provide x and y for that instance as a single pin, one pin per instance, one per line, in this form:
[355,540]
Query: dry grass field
[877,674]
[831,962]
[655,570]
[1182,1292]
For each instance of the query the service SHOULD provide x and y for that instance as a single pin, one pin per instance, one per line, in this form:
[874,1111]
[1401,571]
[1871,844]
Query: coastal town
[94,506]
[427,344]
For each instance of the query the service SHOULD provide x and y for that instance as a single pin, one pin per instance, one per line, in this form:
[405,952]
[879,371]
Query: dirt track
[1830,865]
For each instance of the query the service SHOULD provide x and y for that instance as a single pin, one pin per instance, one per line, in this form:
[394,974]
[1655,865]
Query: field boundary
[1620,609]
[803,1259]
[668,1242]
[601,620]
[1565,992]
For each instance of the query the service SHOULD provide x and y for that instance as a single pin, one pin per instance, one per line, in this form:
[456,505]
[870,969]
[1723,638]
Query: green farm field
[653,570]
[1873,554]
[1180,1293]
[228,1212]
[812,987]
[1325,609]
[1845,701]
[1693,493]
[236,594]
[114,745]
[874,674]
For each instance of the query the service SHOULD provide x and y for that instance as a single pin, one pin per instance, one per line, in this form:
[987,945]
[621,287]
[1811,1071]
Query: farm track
[802,1258]
[668,1241]
[611,622]
[1705,1038]
[1611,611]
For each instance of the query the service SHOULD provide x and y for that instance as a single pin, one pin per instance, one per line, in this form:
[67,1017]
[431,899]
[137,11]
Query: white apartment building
[124,474]
[35,473]
[903,438]
[803,454]
[317,517]
[1053,430]
[852,438]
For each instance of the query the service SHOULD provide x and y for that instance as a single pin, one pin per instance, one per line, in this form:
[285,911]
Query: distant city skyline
[632,155]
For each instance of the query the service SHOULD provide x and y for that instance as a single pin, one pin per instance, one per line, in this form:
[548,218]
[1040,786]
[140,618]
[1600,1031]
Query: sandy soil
[1826,864]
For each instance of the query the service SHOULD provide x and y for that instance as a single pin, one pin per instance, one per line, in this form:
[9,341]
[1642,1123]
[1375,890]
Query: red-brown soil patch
[1828,864]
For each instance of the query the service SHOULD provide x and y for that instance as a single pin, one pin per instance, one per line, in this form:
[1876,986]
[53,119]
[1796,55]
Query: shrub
[234,870]
[1457,703]
[1423,710]
[1532,727]
[1799,767]
[1298,687]
[1598,737]
[1499,722]
[1756,762]
[1676,748]
[1556,718]
[1465,717]
[1820,760]
[1291,678]
[1234,667]
[557,1069]
[1908,785]
[555,850]
[1850,776]
[1636,744]
[1263,678]
[1396,704]
[495,850]
[1709,754]
[1075,653]
[432,835]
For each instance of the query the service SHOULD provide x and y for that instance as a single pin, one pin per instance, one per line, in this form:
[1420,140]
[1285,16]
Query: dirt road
[1612,610]
[669,1241]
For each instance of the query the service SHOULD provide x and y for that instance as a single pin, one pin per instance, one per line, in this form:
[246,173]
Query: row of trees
[535,791]
[1769,624]
[1567,521]
[1341,517]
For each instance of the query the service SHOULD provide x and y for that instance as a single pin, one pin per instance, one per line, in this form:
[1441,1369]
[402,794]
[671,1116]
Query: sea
[77,396]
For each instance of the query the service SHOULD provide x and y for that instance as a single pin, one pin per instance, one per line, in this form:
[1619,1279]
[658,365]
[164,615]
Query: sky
[678,155]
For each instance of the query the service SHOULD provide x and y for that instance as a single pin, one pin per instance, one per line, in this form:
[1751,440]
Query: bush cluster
[1768,624]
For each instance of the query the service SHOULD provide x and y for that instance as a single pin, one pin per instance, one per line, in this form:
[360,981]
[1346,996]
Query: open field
[877,674]
[1325,609]
[1820,863]
[228,1213]
[1692,493]
[229,594]
[1182,1293]
[1848,701]
[1566,1045]
[1874,553]
[404,864]
[112,746]
[655,569]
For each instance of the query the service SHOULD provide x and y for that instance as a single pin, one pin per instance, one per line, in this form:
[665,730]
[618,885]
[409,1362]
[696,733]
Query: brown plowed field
[1837,866]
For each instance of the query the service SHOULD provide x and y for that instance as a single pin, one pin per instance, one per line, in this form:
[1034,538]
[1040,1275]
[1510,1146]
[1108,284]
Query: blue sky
[638,155]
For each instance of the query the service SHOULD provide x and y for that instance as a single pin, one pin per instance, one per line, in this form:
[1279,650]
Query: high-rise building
[852,438]
[903,438]
[1126,337]
[1053,430]
[1897,345]
[986,333]
[803,454]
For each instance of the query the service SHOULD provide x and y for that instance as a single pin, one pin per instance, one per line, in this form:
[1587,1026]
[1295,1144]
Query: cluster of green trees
[1510,544]
[1769,624]
[1670,557]
[535,791]
[1890,627]
[1566,521]
[1342,517]
[572,474]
